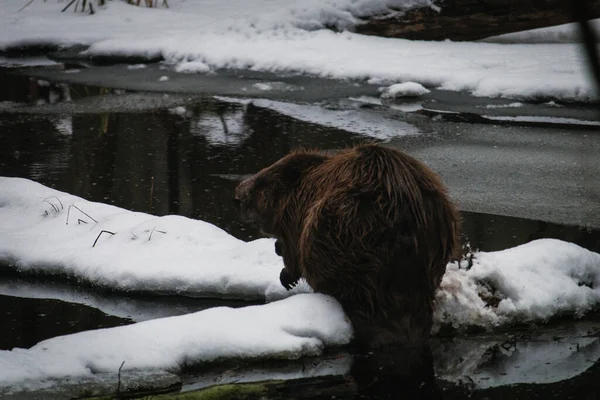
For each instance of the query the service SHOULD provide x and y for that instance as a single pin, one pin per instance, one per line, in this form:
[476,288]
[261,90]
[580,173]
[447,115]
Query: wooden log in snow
[475,19]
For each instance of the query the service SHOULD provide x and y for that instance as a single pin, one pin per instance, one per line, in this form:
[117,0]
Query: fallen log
[462,20]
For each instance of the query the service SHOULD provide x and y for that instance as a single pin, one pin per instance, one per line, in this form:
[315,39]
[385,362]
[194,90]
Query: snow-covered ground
[132,251]
[299,326]
[532,282]
[289,36]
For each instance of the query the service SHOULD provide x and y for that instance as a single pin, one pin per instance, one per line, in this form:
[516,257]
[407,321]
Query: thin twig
[119,380]
[26,5]
[81,211]
[154,229]
[100,234]
[60,202]
[53,206]
[68,5]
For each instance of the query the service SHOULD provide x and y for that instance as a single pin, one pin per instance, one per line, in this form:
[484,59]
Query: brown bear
[370,225]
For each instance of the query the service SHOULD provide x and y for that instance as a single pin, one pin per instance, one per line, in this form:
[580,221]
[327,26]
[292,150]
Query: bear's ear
[299,164]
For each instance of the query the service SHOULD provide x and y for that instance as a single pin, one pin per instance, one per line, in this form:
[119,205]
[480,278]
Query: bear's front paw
[278,248]
[286,280]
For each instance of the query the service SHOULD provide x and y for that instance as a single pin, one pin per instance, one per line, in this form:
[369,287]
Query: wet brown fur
[370,226]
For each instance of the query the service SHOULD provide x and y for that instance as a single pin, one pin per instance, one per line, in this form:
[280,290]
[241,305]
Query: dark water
[164,162]
[25,322]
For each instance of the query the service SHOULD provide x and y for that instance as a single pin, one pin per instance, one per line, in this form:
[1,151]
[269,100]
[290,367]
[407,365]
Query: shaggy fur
[370,226]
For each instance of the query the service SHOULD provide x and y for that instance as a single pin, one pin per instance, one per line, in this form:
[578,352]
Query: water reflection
[159,162]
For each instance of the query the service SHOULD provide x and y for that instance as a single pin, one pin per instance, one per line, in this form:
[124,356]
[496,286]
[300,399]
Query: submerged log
[475,19]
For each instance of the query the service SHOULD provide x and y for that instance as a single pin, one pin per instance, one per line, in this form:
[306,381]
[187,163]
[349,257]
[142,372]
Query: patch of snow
[289,329]
[288,36]
[531,282]
[566,33]
[405,89]
[179,110]
[552,120]
[192,67]
[511,105]
[407,106]
[53,232]
[351,119]
[136,66]
[72,71]
[280,86]
[163,78]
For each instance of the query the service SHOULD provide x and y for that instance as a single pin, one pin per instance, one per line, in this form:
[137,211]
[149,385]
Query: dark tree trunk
[475,19]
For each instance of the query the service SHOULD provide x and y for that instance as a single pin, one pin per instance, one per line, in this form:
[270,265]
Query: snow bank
[531,282]
[299,326]
[405,89]
[288,36]
[48,231]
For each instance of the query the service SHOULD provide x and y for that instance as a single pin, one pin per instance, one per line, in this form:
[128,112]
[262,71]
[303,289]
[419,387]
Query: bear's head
[263,198]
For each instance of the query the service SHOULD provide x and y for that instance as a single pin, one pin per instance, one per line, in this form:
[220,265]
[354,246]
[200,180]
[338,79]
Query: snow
[532,282]
[169,254]
[299,326]
[566,33]
[191,67]
[289,36]
[281,86]
[136,66]
[511,105]
[405,89]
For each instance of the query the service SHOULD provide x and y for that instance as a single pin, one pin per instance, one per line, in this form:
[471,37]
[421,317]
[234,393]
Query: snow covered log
[474,19]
